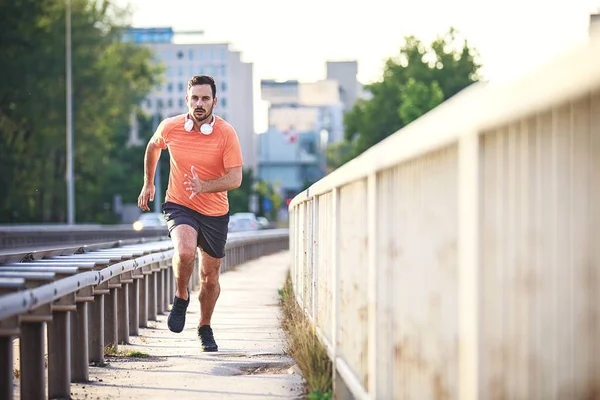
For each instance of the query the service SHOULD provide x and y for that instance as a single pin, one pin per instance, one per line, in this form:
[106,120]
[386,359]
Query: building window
[181,103]
[179,55]
[181,87]
[170,103]
[223,86]
[223,70]
[224,103]
[170,87]
[159,103]
[191,54]
[149,103]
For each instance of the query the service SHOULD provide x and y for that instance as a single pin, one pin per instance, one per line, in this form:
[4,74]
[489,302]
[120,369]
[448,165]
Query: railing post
[375,347]
[152,295]
[32,360]
[468,266]
[110,318]
[123,313]
[59,356]
[144,297]
[96,327]
[134,304]
[314,240]
[6,367]
[80,350]
[160,289]
[340,389]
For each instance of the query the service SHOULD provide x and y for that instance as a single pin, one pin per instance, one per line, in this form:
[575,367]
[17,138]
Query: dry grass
[304,346]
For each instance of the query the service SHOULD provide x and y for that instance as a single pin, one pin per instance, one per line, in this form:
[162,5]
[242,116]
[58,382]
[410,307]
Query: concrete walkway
[250,363]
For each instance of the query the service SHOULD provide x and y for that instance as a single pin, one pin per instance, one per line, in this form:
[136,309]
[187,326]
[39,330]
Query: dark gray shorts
[212,231]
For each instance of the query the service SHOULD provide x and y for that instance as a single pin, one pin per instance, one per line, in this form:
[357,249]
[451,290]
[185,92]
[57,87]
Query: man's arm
[150,161]
[151,157]
[231,180]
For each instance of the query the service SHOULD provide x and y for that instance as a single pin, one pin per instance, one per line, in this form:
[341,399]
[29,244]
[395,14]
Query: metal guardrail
[91,297]
[12,236]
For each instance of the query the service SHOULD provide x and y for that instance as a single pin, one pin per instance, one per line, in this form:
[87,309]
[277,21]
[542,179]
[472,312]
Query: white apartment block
[305,107]
[232,76]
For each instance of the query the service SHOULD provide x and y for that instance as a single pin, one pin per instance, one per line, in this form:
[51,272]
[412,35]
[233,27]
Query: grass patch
[137,354]
[112,351]
[304,346]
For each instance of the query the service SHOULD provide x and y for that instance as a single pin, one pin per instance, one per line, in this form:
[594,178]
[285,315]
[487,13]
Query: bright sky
[293,39]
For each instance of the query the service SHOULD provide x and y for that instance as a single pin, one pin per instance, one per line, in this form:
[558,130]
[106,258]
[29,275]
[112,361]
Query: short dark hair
[203,80]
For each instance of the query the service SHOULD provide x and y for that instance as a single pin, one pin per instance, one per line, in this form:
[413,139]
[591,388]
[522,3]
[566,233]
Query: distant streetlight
[69,166]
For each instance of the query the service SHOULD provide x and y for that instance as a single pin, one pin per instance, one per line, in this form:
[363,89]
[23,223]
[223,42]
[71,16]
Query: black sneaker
[207,339]
[176,320]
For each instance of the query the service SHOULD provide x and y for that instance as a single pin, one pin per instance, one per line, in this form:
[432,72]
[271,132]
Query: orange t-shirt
[209,154]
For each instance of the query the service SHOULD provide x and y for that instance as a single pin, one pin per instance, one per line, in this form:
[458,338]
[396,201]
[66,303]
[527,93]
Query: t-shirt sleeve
[232,156]
[160,136]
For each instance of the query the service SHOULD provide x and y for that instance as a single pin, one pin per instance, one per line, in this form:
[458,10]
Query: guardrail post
[59,356]
[134,305]
[160,289]
[152,295]
[32,360]
[96,328]
[110,319]
[169,287]
[80,350]
[6,367]
[123,314]
[144,298]
[165,280]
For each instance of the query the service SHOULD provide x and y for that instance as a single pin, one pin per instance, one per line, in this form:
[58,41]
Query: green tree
[338,153]
[415,82]
[239,198]
[109,79]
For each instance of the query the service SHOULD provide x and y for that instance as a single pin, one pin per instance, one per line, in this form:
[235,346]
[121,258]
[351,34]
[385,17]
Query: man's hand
[146,194]
[194,184]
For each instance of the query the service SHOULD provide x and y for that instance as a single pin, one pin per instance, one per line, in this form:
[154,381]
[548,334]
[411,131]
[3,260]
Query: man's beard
[205,116]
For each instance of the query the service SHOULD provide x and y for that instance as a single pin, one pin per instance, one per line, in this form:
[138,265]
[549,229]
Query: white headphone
[205,128]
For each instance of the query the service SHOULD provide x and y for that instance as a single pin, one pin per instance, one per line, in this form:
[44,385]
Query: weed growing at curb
[112,351]
[303,345]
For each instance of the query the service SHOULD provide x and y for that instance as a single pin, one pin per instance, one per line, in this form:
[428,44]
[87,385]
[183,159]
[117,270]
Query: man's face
[200,102]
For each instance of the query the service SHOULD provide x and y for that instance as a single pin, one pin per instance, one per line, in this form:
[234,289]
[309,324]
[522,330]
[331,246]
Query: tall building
[345,72]
[182,61]
[304,107]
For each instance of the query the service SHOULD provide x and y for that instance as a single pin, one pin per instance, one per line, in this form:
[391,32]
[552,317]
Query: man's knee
[209,272]
[185,254]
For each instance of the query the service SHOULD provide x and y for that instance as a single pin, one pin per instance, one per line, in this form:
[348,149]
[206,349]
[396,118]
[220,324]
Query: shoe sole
[210,350]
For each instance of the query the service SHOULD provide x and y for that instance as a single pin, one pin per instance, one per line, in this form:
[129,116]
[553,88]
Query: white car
[240,222]
[150,219]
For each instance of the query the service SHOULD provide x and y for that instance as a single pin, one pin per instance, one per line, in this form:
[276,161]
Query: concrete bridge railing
[457,259]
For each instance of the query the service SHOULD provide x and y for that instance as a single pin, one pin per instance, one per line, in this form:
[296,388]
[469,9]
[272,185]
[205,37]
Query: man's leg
[210,287]
[209,293]
[184,239]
